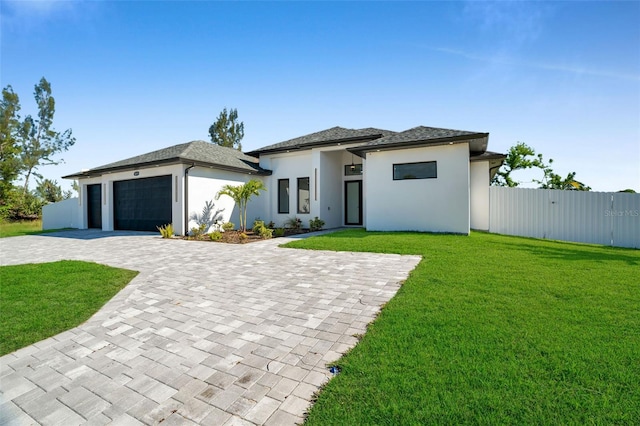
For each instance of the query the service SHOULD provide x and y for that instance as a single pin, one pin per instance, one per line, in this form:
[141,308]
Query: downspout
[186,198]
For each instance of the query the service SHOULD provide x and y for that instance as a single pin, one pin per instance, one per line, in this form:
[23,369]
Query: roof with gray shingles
[421,133]
[422,136]
[200,152]
[324,137]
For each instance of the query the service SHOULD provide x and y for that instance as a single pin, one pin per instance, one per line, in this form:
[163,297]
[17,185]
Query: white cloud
[518,21]
[25,15]
[572,69]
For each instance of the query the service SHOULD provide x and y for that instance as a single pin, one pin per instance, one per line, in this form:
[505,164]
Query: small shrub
[266,233]
[316,224]
[293,223]
[279,232]
[198,233]
[166,231]
[271,225]
[243,236]
[228,226]
[260,229]
[215,235]
[258,226]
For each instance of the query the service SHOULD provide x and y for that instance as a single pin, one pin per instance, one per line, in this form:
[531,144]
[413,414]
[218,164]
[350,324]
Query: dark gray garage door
[142,204]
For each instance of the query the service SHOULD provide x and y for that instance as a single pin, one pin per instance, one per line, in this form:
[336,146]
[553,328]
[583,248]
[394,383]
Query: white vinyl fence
[63,214]
[608,218]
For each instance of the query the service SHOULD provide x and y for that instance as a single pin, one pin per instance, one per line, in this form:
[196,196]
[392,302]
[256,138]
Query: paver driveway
[207,333]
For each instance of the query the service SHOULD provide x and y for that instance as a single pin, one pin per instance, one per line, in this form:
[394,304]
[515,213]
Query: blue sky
[131,77]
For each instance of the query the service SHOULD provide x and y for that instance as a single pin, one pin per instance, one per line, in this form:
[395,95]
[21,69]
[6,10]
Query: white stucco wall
[432,205]
[479,195]
[106,180]
[204,184]
[63,214]
[290,166]
[325,168]
[330,181]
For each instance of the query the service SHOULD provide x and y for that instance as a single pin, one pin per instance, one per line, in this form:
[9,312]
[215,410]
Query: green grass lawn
[41,300]
[491,329]
[24,227]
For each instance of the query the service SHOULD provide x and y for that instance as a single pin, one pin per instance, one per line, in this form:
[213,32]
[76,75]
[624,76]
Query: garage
[142,204]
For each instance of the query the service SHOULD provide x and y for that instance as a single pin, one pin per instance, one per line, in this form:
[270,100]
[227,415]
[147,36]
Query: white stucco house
[422,179]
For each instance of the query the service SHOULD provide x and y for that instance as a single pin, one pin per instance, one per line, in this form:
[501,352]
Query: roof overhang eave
[488,157]
[361,151]
[310,145]
[165,162]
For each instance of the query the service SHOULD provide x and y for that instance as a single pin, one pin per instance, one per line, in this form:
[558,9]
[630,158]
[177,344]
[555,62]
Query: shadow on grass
[560,250]
[4,234]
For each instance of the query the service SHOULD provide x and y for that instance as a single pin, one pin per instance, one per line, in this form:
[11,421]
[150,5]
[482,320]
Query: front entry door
[353,202]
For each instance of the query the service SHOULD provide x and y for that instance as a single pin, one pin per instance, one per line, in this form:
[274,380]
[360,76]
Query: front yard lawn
[491,329]
[23,227]
[41,300]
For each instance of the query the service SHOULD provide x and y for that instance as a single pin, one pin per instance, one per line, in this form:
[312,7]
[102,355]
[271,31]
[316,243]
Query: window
[304,205]
[353,169]
[426,170]
[283,195]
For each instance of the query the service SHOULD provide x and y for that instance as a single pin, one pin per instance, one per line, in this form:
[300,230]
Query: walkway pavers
[207,333]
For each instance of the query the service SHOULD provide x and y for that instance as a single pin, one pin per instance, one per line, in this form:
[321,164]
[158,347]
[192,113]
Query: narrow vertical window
[304,205]
[283,195]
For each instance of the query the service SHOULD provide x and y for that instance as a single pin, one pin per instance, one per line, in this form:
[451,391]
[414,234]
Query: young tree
[552,180]
[227,131]
[519,157]
[241,194]
[49,191]
[40,142]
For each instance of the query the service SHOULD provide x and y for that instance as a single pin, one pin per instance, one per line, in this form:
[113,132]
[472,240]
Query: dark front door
[353,202]
[94,206]
[142,204]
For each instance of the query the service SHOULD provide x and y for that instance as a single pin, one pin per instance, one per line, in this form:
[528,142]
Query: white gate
[609,218]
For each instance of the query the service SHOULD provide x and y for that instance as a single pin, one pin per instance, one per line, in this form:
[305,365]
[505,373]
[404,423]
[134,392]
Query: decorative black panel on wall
[94,206]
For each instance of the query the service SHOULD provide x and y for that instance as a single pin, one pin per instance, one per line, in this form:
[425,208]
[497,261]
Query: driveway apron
[207,333]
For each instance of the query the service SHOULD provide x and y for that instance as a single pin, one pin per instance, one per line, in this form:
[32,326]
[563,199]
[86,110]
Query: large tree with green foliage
[522,157]
[241,194]
[519,157]
[40,142]
[227,130]
[25,146]
[9,144]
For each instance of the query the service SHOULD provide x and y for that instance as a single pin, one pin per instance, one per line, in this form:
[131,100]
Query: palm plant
[241,194]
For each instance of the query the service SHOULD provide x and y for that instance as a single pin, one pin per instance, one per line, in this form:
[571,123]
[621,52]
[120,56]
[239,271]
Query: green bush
[197,233]
[243,236]
[166,231]
[294,223]
[266,233]
[228,226]
[215,235]
[258,225]
[263,231]
[279,232]
[316,224]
